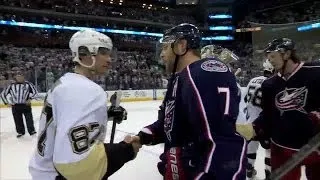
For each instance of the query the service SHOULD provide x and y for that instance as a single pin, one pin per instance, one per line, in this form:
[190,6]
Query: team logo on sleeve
[214,66]
[169,110]
[169,118]
[292,99]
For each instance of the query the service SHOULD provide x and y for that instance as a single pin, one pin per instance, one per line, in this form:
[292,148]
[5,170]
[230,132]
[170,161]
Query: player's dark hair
[295,57]
[196,52]
[83,51]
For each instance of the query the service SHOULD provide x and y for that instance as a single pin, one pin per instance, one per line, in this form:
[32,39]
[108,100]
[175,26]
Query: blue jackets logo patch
[292,99]
[214,66]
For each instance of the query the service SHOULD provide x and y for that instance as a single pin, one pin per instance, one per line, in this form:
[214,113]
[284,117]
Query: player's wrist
[125,150]
[118,155]
[145,139]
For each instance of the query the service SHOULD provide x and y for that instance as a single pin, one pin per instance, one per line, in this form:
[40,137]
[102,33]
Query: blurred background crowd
[43,56]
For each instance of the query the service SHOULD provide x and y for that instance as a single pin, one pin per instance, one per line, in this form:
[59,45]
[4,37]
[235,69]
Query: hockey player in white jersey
[73,122]
[252,112]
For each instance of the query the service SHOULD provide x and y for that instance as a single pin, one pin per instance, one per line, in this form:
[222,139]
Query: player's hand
[132,139]
[315,117]
[246,130]
[134,142]
[237,72]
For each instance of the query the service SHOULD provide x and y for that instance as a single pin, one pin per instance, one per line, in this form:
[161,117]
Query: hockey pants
[280,155]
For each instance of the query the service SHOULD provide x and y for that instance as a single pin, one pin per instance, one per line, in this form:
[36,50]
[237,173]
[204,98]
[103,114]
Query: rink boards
[127,96]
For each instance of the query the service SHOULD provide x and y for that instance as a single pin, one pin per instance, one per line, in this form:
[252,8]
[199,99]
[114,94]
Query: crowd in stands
[158,14]
[282,12]
[43,56]
[130,69]
[281,18]
[298,11]
[42,66]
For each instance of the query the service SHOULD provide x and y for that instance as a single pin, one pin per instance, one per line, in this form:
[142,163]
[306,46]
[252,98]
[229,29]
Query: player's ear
[181,46]
[184,44]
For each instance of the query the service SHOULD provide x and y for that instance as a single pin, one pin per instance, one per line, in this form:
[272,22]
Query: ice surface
[15,153]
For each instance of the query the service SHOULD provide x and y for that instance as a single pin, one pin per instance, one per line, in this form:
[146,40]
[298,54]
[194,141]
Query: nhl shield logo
[214,66]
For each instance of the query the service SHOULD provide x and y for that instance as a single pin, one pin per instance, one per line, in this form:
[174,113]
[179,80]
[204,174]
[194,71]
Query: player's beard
[170,66]
[278,66]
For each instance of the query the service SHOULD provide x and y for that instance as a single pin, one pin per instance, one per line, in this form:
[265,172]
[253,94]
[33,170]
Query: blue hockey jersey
[200,111]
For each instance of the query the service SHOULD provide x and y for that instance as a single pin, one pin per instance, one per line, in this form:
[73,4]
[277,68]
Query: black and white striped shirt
[20,93]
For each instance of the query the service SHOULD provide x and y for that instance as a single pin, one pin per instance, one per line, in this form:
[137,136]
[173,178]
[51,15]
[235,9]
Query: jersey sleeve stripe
[244,147]
[311,66]
[207,127]
[4,94]
[34,91]
[147,130]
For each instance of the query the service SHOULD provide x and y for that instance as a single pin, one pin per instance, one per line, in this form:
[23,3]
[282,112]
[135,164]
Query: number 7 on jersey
[227,94]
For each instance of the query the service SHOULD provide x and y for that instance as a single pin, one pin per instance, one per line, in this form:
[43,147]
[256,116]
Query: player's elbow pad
[118,155]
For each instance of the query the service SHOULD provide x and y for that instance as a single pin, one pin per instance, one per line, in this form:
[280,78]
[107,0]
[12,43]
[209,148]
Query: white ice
[15,153]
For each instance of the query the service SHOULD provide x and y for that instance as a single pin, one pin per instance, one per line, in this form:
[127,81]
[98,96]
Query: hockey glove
[117,113]
[146,136]
[314,116]
[118,155]
[148,139]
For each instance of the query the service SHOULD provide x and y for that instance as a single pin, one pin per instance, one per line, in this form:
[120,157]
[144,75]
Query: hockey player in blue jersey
[197,118]
[290,105]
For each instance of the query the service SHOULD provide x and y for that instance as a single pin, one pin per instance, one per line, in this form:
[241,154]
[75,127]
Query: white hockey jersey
[241,116]
[72,131]
[253,99]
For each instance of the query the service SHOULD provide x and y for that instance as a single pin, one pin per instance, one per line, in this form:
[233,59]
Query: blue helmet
[185,31]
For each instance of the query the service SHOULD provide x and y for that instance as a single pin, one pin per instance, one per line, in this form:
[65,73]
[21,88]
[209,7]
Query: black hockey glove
[314,116]
[117,155]
[117,113]
[147,138]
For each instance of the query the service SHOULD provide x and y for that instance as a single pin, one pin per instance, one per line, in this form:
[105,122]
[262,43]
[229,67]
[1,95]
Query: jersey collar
[293,73]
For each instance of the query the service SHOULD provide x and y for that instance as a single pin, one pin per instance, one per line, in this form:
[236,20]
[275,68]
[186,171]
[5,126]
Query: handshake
[135,142]
[140,139]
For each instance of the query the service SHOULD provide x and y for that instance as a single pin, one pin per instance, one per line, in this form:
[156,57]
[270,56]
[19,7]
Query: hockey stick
[297,158]
[113,131]
[114,123]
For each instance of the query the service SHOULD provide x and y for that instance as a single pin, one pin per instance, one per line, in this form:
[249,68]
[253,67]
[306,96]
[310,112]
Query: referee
[21,92]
